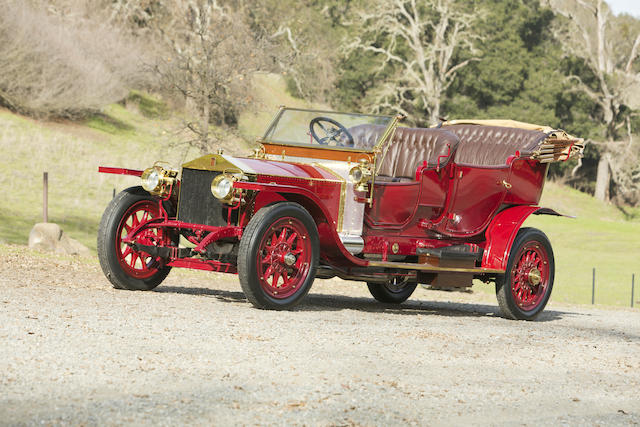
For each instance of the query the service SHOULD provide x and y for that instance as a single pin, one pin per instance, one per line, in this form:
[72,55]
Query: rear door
[478,194]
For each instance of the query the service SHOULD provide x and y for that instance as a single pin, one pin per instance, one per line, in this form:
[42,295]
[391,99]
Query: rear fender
[502,232]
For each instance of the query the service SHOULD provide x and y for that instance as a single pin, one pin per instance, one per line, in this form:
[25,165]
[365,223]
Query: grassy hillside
[136,135]
[599,237]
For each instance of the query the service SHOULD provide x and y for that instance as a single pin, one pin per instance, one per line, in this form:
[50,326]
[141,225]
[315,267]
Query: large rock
[49,237]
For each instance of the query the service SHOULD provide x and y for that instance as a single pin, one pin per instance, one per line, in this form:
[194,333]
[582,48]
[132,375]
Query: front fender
[329,237]
[502,232]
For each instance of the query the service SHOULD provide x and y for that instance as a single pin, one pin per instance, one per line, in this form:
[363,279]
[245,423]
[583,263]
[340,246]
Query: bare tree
[421,42]
[212,55]
[611,55]
[302,42]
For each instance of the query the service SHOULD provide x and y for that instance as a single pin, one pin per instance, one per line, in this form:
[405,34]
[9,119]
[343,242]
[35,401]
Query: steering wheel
[333,130]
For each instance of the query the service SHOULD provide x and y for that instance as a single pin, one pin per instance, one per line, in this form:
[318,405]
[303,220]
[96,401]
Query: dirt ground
[75,351]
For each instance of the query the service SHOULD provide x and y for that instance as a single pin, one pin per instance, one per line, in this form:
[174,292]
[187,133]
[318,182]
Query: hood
[249,166]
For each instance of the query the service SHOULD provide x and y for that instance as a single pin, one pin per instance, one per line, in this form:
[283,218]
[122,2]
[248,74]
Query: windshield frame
[393,122]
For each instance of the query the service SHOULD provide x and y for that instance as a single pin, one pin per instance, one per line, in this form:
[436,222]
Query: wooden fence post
[45,197]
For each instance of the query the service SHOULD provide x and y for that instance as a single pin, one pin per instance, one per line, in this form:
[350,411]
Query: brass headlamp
[222,187]
[157,180]
[360,175]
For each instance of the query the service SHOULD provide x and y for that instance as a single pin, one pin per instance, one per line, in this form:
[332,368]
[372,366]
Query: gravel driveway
[75,351]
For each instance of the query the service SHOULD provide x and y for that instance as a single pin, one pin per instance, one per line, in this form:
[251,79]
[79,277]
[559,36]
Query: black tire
[392,293]
[110,252]
[525,288]
[263,252]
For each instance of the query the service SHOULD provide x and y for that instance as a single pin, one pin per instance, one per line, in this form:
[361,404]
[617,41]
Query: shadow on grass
[109,124]
[323,302]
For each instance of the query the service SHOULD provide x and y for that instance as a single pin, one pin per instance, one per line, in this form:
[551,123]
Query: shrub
[62,64]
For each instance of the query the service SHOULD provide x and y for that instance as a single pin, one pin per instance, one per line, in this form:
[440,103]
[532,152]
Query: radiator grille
[196,204]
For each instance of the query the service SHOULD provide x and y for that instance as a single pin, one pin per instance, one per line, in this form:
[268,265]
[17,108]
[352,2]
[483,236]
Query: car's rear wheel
[125,267]
[394,292]
[278,256]
[526,286]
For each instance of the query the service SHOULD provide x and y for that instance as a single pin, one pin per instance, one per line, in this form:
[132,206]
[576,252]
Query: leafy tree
[604,51]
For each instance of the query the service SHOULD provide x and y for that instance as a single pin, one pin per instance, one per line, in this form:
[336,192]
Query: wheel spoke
[292,238]
[283,235]
[268,272]
[133,259]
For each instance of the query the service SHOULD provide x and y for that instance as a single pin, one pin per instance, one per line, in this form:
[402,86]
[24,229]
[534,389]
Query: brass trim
[313,152]
[432,268]
[314,147]
[382,146]
[308,178]
[534,277]
[204,163]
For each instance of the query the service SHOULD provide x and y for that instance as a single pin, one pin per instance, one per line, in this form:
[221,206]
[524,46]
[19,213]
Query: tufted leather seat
[492,145]
[409,148]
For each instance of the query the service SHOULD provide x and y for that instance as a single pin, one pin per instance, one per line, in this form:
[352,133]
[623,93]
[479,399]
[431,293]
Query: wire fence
[594,285]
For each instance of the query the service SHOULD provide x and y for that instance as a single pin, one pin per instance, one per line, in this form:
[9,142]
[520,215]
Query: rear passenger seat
[491,146]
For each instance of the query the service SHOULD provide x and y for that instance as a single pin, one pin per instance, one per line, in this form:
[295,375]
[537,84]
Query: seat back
[492,145]
[408,149]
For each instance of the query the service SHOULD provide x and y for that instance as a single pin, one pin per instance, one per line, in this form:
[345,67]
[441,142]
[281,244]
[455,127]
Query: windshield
[325,128]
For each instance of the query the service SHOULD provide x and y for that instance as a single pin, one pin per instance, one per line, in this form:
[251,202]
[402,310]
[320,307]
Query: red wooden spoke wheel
[278,256]
[526,286]
[140,264]
[125,267]
[284,258]
[530,276]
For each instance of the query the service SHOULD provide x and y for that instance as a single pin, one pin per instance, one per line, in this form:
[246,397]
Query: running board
[433,268]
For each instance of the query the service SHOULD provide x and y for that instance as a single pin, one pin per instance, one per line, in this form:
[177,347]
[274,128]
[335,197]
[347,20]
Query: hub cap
[139,264]
[530,276]
[284,258]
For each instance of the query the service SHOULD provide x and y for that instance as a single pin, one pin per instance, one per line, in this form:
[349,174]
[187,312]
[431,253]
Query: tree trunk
[603,178]
[204,127]
[434,116]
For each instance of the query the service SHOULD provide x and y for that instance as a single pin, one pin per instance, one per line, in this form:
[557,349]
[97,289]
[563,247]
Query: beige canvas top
[500,122]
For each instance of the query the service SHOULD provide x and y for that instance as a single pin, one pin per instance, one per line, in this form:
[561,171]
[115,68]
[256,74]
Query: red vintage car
[349,195]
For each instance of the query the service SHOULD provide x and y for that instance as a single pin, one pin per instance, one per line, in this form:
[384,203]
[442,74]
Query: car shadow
[329,302]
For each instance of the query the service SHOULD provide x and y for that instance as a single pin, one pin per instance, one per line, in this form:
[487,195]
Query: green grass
[148,105]
[71,154]
[599,237]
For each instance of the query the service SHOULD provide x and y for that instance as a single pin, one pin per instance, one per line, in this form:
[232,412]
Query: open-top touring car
[350,195]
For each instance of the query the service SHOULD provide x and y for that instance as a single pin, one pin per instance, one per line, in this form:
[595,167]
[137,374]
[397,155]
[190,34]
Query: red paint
[445,156]
[202,264]
[120,171]
[220,233]
[502,232]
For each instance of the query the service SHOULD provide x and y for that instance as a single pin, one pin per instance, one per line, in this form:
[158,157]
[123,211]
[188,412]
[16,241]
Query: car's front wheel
[278,256]
[526,286]
[124,266]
